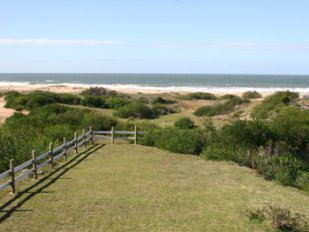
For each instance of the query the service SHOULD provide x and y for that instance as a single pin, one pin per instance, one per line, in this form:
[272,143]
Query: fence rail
[15,174]
[111,135]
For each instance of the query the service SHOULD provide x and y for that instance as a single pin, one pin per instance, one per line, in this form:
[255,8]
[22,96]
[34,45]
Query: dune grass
[134,188]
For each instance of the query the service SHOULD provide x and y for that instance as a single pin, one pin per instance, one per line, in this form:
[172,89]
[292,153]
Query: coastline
[135,89]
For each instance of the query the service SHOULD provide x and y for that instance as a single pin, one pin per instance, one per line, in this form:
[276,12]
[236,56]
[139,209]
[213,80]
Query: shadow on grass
[43,184]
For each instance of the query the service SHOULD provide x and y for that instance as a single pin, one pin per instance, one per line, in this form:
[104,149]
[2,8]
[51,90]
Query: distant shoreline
[134,89]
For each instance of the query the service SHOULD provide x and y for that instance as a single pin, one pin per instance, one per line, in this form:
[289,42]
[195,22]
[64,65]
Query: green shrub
[66,98]
[116,102]
[251,94]
[98,122]
[279,217]
[292,127]
[161,100]
[220,108]
[94,101]
[136,110]
[287,169]
[184,123]
[175,140]
[228,97]
[198,96]
[209,110]
[36,99]
[284,168]
[160,109]
[273,103]
[98,91]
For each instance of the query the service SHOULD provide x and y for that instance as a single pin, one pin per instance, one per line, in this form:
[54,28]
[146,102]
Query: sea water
[164,82]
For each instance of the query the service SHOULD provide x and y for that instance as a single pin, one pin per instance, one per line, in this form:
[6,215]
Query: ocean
[163,82]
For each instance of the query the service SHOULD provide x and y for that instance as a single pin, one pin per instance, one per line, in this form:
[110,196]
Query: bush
[66,98]
[220,108]
[136,110]
[160,109]
[98,91]
[251,94]
[284,168]
[175,140]
[161,100]
[94,101]
[278,216]
[273,103]
[292,127]
[36,99]
[184,123]
[198,95]
[116,102]
[287,169]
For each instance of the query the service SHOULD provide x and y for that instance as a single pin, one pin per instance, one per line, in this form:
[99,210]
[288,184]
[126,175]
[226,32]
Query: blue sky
[155,36]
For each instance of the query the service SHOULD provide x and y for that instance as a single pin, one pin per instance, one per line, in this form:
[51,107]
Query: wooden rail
[113,135]
[31,167]
[17,173]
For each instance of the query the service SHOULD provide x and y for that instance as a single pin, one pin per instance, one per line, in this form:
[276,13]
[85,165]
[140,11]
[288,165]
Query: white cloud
[58,42]
[241,46]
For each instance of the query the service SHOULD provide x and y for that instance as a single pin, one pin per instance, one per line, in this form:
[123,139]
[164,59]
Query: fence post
[12,173]
[35,170]
[75,143]
[112,135]
[51,153]
[64,149]
[84,143]
[135,135]
[91,135]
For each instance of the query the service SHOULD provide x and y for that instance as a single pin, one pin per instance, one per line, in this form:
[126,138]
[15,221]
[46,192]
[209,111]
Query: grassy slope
[135,188]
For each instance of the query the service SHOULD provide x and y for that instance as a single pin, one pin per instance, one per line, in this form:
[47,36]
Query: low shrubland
[273,103]
[141,110]
[198,96]
[20,101]
[50,123]
[184,123]
[173,139]
[276,148]
[251,94]
[225,107]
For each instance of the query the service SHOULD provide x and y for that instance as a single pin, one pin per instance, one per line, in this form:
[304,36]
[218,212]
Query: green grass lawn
[134,188]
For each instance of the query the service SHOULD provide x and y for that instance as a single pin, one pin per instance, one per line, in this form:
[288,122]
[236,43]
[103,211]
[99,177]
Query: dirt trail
[4,112]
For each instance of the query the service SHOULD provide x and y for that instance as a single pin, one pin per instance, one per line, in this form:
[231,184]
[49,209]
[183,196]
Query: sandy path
[4,112]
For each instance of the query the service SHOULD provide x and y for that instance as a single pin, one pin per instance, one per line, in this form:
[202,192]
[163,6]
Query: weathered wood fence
[113,135]
[31,167]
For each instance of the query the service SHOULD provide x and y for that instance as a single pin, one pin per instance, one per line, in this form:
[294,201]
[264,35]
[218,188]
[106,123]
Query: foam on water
[147,88]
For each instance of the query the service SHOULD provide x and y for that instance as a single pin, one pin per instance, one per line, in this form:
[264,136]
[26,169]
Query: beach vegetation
[21,101]
[224,107]
[161,100]
[174,139]
[198,96]
[251,95]
[185,123]
[273,103]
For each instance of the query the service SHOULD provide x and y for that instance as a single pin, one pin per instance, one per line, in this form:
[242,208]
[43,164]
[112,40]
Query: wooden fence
[48,158]
[113,135]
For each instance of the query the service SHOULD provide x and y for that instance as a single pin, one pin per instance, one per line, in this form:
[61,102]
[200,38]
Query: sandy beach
[76,89]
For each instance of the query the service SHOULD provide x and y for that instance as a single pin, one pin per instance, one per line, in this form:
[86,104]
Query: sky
[154,36]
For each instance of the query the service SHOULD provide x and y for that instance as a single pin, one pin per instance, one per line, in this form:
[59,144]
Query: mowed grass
[125,187]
